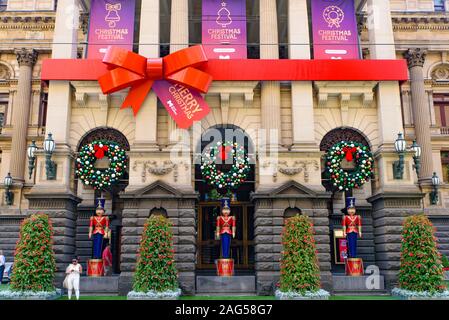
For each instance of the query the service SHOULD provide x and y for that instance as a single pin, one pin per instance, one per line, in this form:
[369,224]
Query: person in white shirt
[2,265]
[73,272]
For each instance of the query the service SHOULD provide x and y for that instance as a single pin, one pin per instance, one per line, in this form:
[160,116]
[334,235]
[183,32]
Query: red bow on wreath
[99,151]
[224,152]
[349,153]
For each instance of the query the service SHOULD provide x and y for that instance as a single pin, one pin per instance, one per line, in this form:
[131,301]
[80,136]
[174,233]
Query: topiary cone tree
[156,269]
[34,260]
[421,268]
[299,263]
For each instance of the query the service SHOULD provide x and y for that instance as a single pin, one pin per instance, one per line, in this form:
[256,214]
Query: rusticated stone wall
[389,212]
[180,209]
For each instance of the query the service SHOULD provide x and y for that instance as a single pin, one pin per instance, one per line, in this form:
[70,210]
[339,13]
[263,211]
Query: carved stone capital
[26,57]
[415,57]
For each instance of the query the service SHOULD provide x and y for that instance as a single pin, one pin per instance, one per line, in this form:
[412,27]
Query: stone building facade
[309,116]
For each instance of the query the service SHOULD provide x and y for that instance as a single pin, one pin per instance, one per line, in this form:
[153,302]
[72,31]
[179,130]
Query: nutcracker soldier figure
[225,229]
[352,229]
[98,230]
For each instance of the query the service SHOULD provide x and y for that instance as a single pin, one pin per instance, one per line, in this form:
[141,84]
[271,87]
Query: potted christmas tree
[421,271]
[34,262]
[300,273]
[156,276]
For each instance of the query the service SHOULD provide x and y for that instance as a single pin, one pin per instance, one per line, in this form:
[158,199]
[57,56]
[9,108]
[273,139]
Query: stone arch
[291,212]
[158,212]
[224,129]
[439,71]
[343,134]
[104,133]
[6,71]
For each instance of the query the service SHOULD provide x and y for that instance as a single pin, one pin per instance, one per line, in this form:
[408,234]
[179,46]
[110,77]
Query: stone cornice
[412,21]
[44,20]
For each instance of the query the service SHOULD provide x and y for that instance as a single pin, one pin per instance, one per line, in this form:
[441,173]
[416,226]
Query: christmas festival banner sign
[224,29]
[111,24]
[334,26]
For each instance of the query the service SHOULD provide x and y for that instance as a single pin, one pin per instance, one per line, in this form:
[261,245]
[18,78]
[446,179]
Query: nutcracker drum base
[225,267]
[354,267]
[95,268]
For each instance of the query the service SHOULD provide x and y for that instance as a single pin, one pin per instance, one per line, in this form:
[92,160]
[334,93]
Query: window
[3,5]
[29,5]
[439,5]
[445,165]
[441,103]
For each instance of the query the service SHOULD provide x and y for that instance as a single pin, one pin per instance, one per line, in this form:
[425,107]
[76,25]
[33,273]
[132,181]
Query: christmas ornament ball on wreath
[352,151]
[235,176]
[100,178]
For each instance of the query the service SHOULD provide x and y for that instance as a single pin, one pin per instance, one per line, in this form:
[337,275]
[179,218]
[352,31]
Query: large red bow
[129,69]
[349,153]
[100,151]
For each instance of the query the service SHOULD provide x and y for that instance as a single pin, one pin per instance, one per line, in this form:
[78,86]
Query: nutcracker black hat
[350,203]
[225,203]
[100,204]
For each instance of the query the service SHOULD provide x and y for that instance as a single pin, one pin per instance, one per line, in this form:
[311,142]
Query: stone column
[302,91]
[269,49]
[146,120]
[420,104]
[381,38]
[21,112]
[57,197]
[179,39]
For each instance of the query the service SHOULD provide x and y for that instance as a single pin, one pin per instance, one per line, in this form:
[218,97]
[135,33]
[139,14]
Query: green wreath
[352,151]
[235,176]
[100,178]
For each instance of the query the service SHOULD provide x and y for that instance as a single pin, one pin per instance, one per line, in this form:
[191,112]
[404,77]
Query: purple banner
[224,29]
[111,24]
[335,34]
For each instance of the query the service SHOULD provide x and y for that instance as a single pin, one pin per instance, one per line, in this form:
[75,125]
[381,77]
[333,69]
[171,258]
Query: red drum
[225,267]
[95,268]
[354,267]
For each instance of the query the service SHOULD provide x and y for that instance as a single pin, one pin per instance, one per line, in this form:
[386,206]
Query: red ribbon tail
[137,95]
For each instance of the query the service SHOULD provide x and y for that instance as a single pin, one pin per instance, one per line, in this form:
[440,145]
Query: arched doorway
[242,248]
[114,204]
[337,201]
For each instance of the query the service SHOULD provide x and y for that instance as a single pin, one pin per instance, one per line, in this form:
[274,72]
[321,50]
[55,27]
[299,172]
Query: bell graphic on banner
[113,17]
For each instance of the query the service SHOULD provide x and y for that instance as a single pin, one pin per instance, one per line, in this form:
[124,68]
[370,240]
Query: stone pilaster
[270,93]
[268,225]
[179,39]
[21,112]
[61,208]
[180,210]
[420,104]
[303,124]
[389,212]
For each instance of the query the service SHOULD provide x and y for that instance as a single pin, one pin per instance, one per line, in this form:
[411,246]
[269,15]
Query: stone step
[355,284]
[362,293]
[242,285]
[98,286]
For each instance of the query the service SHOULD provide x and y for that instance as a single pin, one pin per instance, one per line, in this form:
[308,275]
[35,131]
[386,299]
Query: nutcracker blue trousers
[97,245]
[225,245]
[352,244]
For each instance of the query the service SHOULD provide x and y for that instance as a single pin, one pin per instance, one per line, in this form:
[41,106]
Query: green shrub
[421,268]
[156,269]
[445,261]
[34,261]
[299,263]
